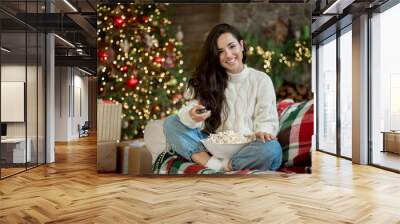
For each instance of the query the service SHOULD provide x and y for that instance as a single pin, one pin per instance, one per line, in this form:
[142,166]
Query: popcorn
[227,137]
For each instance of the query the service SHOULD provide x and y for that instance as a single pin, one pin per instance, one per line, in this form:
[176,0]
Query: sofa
[295,136]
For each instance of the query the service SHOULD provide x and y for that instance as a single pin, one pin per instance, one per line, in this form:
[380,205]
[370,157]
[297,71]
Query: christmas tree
[140,64]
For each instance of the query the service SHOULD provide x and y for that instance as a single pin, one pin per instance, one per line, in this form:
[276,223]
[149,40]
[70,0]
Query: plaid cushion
[296,129]
[283,104]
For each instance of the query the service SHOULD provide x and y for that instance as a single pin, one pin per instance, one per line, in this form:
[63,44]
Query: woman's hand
[199,117]
[263,136]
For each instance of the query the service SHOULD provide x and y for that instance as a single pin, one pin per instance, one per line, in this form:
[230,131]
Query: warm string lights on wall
[140,63]
[285,56]
[302,53]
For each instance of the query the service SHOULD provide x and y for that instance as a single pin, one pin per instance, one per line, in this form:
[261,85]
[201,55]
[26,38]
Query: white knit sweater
[251,104]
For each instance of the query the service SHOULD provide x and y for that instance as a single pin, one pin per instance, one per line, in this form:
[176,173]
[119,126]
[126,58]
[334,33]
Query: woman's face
[230,53]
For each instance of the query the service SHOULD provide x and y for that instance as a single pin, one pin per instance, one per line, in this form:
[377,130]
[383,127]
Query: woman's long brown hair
[210,79]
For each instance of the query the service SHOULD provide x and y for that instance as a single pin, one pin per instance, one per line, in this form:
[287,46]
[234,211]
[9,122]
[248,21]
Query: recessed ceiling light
[70,5]
[5,49]
[84,71]
[65,41]
[337,7]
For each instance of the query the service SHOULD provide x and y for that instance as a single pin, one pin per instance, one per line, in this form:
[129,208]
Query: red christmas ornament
[133,20]
[124,69]
[102,55]
[177,97]
[132,82]
[145,19]
[154,107]
[106,101]
[170,46]
[158,59]
[118,22]
[170,62]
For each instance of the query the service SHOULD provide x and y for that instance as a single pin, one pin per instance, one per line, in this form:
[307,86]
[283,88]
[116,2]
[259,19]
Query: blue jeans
[255,155]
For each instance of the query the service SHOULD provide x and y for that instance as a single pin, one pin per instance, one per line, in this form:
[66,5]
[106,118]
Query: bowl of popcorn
[224,144]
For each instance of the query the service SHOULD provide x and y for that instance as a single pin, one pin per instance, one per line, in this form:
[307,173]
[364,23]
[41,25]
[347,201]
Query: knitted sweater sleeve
[265,114]
[183,113]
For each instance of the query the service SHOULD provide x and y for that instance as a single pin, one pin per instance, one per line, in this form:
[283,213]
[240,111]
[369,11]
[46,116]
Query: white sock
[215,164]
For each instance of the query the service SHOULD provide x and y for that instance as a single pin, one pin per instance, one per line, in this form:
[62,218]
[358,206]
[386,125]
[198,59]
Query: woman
[236,98]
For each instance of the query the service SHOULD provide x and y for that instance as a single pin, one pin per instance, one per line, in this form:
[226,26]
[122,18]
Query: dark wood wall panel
[92,100]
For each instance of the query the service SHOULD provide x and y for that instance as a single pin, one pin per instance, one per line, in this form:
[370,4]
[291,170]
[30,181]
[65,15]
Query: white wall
[13,73]
[80,102]
[61,103]
[34,125]
[71,93]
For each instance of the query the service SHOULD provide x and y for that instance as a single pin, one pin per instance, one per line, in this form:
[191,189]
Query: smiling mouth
[231,62]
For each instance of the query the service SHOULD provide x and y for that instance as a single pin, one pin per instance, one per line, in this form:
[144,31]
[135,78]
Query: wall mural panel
[210,76]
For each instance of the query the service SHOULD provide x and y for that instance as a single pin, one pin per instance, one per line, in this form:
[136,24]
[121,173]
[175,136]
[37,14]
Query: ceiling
[76,26]
[75,21]
[72,20]
[330,15]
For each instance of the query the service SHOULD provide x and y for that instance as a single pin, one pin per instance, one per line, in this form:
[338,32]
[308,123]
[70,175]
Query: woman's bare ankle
[227,164]
[201,158]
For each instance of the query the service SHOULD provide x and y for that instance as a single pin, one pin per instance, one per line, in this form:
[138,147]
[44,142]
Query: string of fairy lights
[302,53]
[140,63]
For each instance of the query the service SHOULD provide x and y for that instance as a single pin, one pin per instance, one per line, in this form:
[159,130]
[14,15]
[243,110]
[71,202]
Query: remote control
[200,111]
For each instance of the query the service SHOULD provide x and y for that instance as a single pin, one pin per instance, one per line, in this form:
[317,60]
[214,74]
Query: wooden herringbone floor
[70,191]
